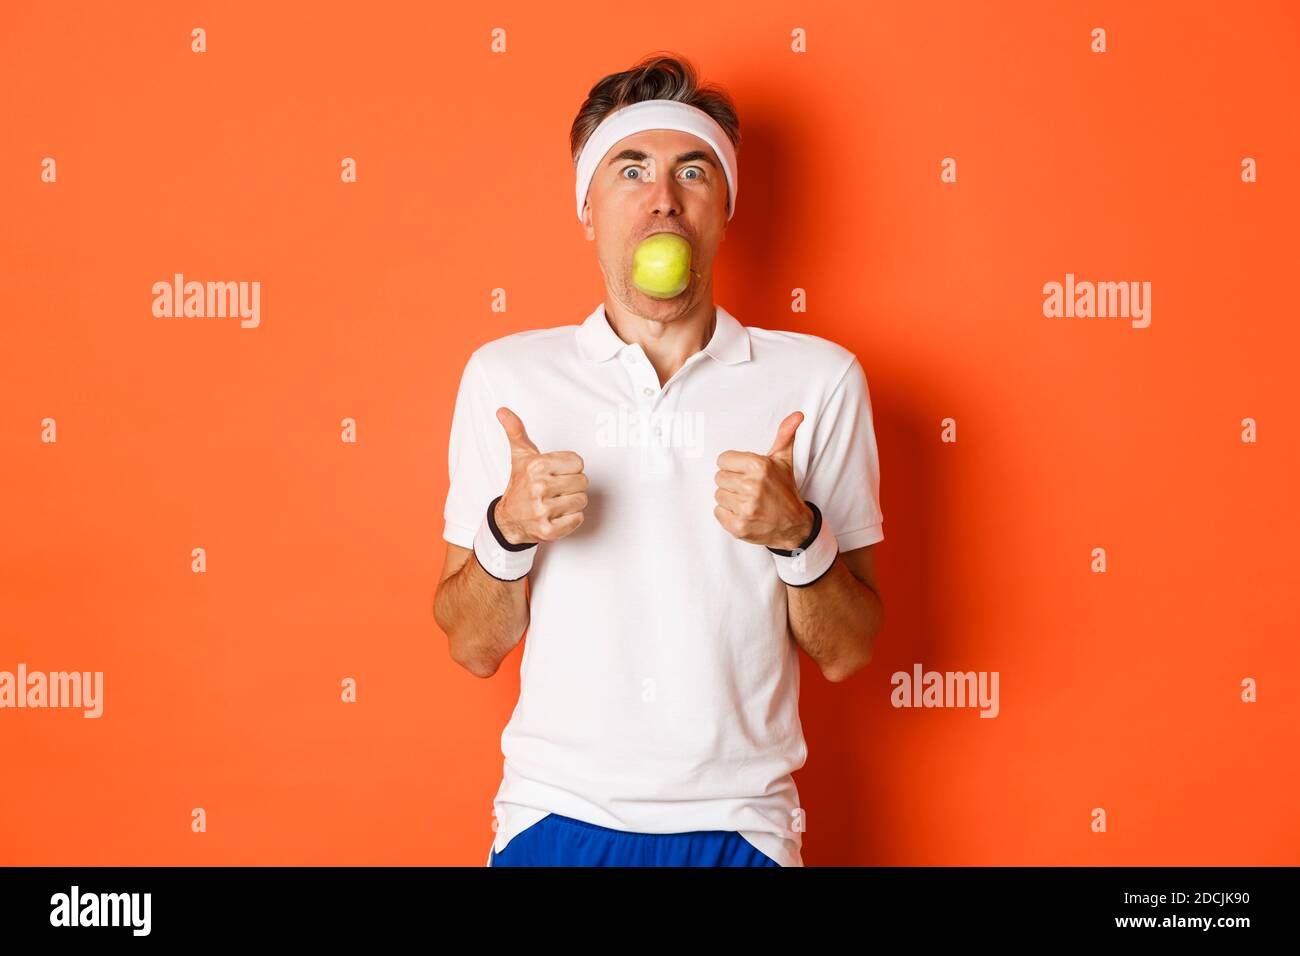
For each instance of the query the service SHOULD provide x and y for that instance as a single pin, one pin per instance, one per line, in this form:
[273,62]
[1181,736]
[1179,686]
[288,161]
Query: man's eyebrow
[638,155]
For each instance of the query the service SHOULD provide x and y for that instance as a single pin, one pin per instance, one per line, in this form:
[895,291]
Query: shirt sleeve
[478,454]
[843,475]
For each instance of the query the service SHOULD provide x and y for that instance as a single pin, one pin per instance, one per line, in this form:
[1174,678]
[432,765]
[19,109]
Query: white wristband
[497,556]
[807,563]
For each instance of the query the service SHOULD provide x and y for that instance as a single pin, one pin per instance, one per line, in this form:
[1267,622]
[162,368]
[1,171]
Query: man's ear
[586,221]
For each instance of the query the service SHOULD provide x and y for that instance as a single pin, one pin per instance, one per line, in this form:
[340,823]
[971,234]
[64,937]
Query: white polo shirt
[659,683]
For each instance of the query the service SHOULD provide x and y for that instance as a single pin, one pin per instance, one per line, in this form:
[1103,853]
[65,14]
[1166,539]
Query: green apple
[661,265]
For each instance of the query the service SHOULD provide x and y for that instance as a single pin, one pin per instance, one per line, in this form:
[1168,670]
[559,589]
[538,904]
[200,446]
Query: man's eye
[635,169]
[697,169]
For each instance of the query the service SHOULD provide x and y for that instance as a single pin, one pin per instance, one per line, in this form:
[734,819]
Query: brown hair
[658,76]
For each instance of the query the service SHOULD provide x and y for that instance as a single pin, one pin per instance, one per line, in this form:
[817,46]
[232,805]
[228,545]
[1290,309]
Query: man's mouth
[675,232]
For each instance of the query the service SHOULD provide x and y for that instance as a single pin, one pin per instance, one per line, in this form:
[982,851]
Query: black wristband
[812,535]
[496,532]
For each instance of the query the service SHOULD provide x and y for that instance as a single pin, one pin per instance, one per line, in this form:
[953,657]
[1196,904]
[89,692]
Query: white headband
[655,114]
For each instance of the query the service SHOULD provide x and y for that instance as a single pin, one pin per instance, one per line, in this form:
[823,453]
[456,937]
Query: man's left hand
[758,500]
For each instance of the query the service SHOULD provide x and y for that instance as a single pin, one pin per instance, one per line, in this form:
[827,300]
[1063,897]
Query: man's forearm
[835,620]
[483,617]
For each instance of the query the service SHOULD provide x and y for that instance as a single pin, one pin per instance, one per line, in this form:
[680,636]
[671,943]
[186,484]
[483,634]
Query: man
[672,504]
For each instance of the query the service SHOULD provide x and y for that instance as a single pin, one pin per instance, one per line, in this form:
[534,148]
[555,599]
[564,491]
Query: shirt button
[648,391]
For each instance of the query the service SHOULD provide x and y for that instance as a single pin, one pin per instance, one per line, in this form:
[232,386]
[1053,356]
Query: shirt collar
[598,341]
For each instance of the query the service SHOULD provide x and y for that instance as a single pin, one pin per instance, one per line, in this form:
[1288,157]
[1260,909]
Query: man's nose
[665,200]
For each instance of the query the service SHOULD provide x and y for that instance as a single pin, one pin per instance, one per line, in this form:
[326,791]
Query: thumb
[783,447]
[520,444]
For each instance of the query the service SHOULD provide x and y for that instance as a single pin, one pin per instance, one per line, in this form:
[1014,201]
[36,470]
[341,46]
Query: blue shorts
[557,840]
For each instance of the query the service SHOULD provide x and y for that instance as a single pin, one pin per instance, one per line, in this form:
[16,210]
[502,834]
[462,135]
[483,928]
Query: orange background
[1118,690]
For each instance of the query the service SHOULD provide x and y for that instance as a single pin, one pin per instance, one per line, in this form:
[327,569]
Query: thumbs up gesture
[547,492]
[758,500]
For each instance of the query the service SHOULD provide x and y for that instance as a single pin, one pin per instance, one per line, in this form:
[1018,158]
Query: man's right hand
[547,492]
